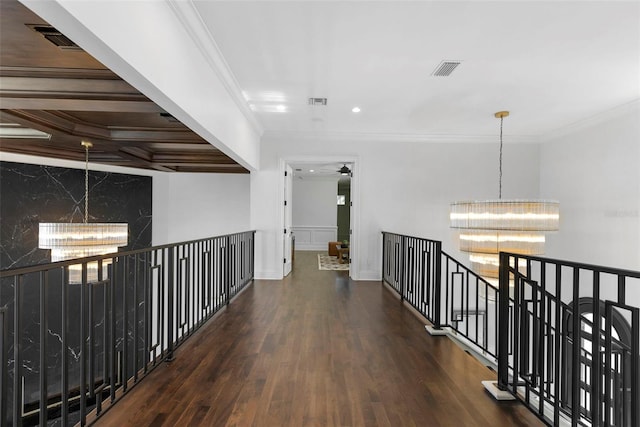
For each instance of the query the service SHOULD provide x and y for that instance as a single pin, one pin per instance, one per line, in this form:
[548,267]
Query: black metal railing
[574,333]
[443,290]
[77,334]
[583,369]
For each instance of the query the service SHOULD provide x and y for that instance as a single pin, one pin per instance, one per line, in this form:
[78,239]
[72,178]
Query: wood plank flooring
[316,349]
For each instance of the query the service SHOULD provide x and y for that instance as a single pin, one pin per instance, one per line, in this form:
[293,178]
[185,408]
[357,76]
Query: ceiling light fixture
[493,226]
[79,240]
[344,170]
[355,109]
[281,108]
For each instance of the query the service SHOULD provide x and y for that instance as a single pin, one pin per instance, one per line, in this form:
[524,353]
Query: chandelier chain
[500,177]
[86,184]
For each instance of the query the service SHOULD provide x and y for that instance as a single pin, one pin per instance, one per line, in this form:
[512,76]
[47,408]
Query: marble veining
[30,194]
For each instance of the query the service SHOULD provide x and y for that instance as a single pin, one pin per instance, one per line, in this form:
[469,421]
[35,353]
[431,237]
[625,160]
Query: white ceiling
[320,170]
[550,63]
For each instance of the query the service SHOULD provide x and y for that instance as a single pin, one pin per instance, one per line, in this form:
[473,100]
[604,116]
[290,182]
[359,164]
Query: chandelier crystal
[79,240]
[492,226]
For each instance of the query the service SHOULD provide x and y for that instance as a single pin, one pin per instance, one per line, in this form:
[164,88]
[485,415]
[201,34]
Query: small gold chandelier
[493,226]
[79,240]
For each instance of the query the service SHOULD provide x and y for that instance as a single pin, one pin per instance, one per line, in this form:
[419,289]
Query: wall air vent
[55,36]
[445,68]
[317,101]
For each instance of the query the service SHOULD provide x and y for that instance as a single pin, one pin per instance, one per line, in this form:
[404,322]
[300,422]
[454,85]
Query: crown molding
[393,137]
[194,25]
[591,121]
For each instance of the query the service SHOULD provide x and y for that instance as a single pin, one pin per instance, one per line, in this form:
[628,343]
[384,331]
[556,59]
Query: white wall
[594,171]
[315,202]
[200,205]
[185,206]
[403,187]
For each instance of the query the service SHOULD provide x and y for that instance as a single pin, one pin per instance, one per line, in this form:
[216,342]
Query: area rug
[326,262]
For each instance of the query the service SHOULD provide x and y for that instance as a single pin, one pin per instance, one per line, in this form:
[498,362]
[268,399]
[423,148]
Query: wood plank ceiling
[65,92]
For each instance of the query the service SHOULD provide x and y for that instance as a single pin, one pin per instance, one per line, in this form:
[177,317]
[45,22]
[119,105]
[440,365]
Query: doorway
[320,208]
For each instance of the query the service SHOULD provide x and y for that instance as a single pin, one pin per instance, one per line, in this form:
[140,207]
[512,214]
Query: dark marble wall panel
[30,194]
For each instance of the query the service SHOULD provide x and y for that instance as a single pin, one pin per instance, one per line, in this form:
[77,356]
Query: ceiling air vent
[445,68]
[317,101]
[54,36]
[169,117]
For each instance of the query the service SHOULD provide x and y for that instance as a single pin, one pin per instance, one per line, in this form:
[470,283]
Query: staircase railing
[582,370]
[77,334]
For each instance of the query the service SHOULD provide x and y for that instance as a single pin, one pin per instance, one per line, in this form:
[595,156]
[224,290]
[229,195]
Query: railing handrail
[473,273]
[413,237]
[583,265]
[75,261]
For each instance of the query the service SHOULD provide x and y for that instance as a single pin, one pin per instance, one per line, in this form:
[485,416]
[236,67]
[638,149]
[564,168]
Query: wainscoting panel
[314,238]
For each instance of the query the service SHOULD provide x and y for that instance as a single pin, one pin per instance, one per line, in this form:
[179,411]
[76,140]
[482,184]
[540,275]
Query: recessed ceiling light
[311,170]
[281,108]
[356,109]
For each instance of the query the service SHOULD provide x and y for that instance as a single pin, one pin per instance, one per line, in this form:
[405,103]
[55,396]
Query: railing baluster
[125,324]
[635,368]
[437,285]
[503,325]
[596,372]
[92,376]
[136,325]
[227,278]
[44,298]
[83,347]
[575,356]
[170,299]
[65,346]
[17,350]
[112,273]
[4,332]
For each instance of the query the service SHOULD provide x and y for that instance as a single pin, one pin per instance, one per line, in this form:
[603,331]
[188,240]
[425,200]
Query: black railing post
[83,346]
[44,298]
[403,283]
[3,367]
[17,350]
[437,285]
[384,253]
[503,323]
[575,380]
[227,269]
[64,326]
[170,291]
[635,367]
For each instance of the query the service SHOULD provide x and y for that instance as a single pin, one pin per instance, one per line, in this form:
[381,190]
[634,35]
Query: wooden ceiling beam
[74,104]
[191,158]
[57,72]
[153,135]
[46,87]
[212,169]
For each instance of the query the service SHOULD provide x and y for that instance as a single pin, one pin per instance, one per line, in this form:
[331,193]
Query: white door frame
[287,221]
[354,241]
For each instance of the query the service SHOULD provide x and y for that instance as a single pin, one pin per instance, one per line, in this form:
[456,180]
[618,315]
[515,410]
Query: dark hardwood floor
[316,349]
